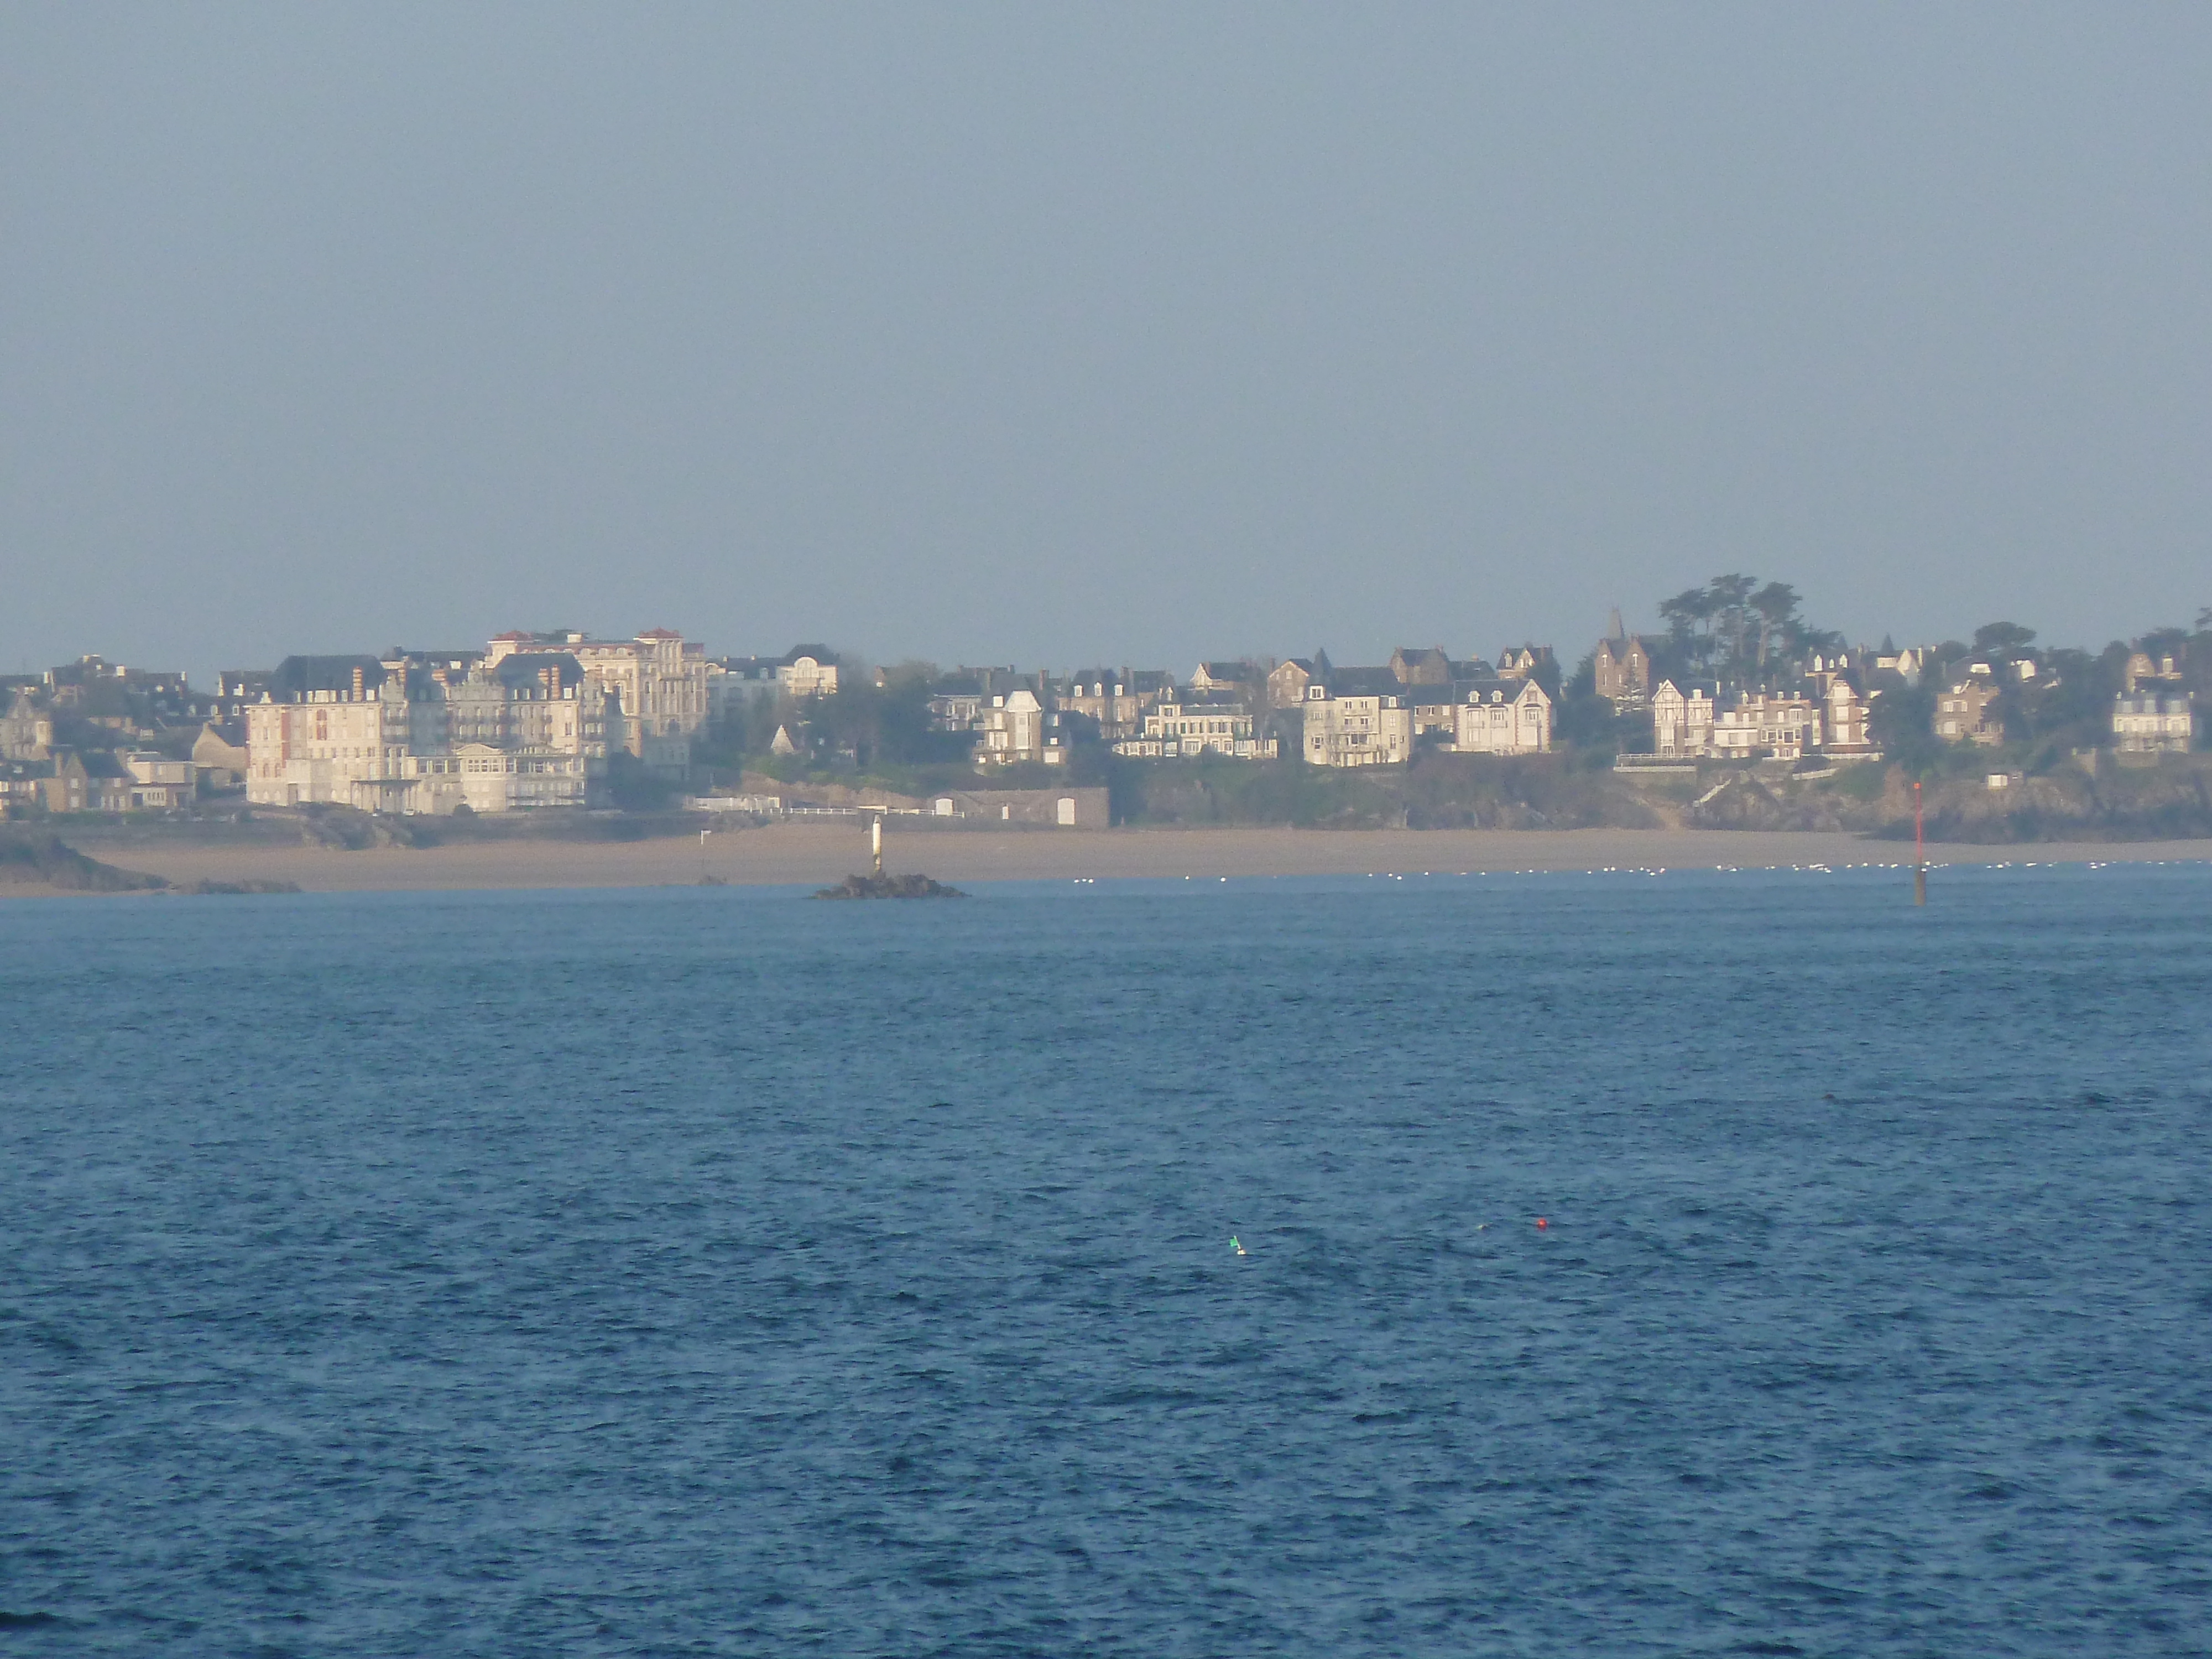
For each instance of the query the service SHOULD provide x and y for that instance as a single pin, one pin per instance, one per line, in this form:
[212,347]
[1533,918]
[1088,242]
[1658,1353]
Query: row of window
[1192,728]
[430,767]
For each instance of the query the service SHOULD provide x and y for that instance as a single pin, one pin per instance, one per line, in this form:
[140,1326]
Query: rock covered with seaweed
[889,887]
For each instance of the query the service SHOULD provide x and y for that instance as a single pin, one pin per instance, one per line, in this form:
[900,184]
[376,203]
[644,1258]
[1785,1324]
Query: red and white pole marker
[1919,850]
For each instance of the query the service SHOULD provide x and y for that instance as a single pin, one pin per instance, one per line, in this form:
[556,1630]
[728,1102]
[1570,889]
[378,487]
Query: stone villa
[2159,721]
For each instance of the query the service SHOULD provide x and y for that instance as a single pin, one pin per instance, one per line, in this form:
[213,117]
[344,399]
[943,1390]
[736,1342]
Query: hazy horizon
[1139,334]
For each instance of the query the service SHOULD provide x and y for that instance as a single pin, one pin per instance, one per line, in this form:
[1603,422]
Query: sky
[1058,334]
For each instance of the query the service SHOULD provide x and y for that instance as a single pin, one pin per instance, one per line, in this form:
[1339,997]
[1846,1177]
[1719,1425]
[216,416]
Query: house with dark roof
[1623,667]
[1224,676]
[1682,718]
[1117,698]
[1416,665]
[1288,679]
[22,784]
[27,730]
[85,780]
[1966,710]
[1502,716]
[2153,721]
[158,782]
[1523,661]
[1359,717]
[956,703]
[808,671]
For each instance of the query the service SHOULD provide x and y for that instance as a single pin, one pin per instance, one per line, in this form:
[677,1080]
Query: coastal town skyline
[565,719]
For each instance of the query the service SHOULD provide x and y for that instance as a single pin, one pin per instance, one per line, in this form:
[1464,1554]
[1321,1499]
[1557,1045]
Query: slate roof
[522,670]
[1365,683]
[1224,698]
[1422,664]
[1505,689]
[296,677]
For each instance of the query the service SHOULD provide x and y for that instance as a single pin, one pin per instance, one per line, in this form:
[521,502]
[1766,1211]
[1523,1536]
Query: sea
[1712,1263]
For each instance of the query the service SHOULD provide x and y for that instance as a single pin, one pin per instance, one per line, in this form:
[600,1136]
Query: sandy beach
[792,853]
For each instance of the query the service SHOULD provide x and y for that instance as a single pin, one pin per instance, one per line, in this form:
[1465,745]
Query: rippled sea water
[705,1271]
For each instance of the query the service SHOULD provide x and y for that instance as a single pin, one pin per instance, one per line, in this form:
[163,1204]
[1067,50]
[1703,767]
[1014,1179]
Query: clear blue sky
[1050,333]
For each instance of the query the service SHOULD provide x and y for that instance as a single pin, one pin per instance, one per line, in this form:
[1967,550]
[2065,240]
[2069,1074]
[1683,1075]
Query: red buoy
[1541,1222]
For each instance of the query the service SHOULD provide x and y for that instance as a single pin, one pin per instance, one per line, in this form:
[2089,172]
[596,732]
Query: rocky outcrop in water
[889,887]
[40,857]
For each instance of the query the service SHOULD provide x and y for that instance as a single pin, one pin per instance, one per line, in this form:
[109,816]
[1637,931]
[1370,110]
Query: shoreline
[790,854]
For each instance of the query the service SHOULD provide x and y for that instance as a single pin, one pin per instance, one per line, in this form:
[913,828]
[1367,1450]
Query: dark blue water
[708,1272]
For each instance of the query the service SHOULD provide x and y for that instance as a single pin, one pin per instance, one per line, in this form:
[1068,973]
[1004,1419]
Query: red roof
[660,634]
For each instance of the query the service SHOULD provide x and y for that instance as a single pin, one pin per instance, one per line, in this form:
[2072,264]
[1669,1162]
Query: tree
[1582,683]
[2003,638]
[1688,614]
[1689,618]
[1777,606]
[1901,720]
[743,731]
[1732,612]
[1580,718]
[2164,642]
[2068,705]
[1734,627]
